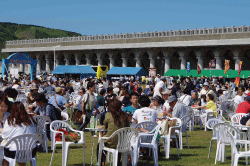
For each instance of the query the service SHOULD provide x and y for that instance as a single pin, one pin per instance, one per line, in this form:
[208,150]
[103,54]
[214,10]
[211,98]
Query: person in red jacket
[244,107]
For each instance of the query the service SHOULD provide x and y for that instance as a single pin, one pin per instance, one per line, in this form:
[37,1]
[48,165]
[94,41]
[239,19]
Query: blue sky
[115,16]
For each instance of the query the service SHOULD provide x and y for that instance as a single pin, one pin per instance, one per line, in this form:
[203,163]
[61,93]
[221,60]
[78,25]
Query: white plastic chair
[190,112]
[54,126]
[150,143]
[183,128]
[125,137]
[223,139]
[65,116]
[41,129]
[210,125]
[210,115]
[167,137]
[24,147]
[236,118]
[235,153]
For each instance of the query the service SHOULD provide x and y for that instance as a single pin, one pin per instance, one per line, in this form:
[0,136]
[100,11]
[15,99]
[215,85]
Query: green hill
[13,31]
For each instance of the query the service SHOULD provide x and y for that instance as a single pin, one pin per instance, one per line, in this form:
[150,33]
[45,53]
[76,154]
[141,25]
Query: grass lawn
[197,154]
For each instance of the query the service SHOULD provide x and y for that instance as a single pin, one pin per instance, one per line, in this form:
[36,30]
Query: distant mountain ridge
[13,31]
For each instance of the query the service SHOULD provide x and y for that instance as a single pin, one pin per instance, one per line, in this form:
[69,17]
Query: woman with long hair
[114,120]
[4,114]
[18,123]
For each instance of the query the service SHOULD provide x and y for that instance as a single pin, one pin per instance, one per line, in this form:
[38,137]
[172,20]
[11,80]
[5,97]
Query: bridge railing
[187,32]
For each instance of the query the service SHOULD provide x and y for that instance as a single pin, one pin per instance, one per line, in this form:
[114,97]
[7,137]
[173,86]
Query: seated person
[210,107]
[134,100]
[144,113]
[222,97]
[114,120]
[186,98]
[4,106]
[18,123]
[157,105]
[239,98]
[244,107]
[44,108]
[177,109]
[58,100]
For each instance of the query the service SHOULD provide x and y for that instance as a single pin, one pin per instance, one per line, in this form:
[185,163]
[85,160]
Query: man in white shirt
[177,110]
[144,113]
[157,79]
[160,87]
[239,98]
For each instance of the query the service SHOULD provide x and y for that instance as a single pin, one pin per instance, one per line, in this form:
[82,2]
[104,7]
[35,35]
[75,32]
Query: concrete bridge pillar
[78,62]
[99,59]
[88,60]
[112,62]
[66,59]
[166,55]
[138,62]
[57,62]
[237,59]
[151,58]
[21,68]
[200,58]
[183,59]
[218,59]
[48,61]
[137,58]
[39,63]
[124,62]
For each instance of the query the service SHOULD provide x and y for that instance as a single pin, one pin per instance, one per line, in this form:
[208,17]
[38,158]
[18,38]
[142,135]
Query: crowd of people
[115,103]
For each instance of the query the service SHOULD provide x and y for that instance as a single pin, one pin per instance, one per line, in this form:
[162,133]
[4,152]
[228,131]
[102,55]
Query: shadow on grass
[195,147]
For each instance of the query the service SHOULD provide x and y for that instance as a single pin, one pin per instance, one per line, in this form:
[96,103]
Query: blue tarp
[73,69]
[134,71]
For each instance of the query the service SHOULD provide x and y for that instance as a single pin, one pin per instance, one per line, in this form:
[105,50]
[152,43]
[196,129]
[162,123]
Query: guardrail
[187,32]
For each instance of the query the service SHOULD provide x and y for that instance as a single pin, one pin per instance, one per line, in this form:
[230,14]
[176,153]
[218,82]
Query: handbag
[77,115]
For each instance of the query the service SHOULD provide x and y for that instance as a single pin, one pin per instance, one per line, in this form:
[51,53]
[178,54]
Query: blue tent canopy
[134,71]
[85,71]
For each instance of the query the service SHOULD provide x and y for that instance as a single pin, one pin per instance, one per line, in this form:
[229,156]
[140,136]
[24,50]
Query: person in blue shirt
[58,100]
[134,100]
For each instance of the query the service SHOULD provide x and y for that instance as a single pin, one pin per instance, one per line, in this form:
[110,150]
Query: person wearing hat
[157,78]
[58,100]
[244,107]
[166,94]
[160,87]
[206,91]
[177,109]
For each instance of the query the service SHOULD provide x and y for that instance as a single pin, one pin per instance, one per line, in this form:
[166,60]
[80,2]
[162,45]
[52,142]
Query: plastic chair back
[184,122]
[24,146]
[125,136]
[237,117]
[146,125]
[40,124]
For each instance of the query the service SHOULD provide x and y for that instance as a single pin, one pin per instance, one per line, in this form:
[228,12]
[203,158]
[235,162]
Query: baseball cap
[167,91]
[171,99]
[206,84]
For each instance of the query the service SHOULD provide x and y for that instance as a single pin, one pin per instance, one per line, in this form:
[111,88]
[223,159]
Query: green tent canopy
[208,73]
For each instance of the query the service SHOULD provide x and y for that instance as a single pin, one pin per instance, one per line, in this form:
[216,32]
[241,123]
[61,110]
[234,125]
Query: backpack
[55,113]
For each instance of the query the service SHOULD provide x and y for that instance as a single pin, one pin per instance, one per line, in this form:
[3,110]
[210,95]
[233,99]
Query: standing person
[157,78]
[88,104]
[79,98]
[160,87]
